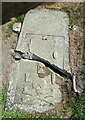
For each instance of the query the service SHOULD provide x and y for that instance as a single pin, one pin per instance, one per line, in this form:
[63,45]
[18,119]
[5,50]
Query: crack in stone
[43,38]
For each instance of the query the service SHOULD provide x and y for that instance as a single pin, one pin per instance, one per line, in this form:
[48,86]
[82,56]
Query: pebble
[13,19]
[17,27]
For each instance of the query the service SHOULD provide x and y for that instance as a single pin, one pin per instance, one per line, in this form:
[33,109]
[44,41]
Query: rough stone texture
[17,27]
[45,32]
[32,86]
[30,92]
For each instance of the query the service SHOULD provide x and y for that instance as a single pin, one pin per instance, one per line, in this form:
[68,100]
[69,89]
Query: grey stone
[32,85]
[27,89]
[17,27]
[13,19]
[45,32]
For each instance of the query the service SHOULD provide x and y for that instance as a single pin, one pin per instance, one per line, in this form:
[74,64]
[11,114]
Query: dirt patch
[76,55]
[46,72]
[8,45]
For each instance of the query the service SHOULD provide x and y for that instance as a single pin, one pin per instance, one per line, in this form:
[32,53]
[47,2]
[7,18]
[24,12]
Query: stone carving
[31,56]
[45,36]
[55,55]
[33,89]
[33,86]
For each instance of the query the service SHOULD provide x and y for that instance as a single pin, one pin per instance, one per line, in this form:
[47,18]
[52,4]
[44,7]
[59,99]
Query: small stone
[17,27]
[17,56]
[13,19]
[75,27]
[81,34]
[12,52]
[44,38]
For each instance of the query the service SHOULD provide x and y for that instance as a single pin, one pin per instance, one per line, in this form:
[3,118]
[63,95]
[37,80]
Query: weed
[9,31]
[79,111]
[20,18]
[83,72]
[68,111]
[8,35]
[76,13]
[11,25]
[71,27]
[76,104]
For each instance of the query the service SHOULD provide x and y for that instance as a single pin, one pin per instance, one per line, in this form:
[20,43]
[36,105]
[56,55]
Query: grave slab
[32,85]
[45,33]
[31,92]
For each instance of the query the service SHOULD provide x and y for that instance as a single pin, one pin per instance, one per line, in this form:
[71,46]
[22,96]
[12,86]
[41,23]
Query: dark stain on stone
[46,72]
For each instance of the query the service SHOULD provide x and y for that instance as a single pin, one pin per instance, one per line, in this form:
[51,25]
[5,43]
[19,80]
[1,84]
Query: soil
[76,49]
[8,45]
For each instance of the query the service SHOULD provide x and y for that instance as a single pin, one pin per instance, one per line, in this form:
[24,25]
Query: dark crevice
[53,67]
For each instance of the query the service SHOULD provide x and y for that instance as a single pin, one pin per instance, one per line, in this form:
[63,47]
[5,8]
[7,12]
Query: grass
[10,29]
[10,114]
[79,111]
[20,18]
[83,72]
[76,104]
[76,14]
[8,34]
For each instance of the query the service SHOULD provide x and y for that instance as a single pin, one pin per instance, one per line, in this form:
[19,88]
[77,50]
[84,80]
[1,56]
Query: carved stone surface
[32,85]
[31,92]
[45,33]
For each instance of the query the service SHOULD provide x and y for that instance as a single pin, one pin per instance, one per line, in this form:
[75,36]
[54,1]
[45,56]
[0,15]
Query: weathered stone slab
[30,92]
[45,33]
[32,86]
